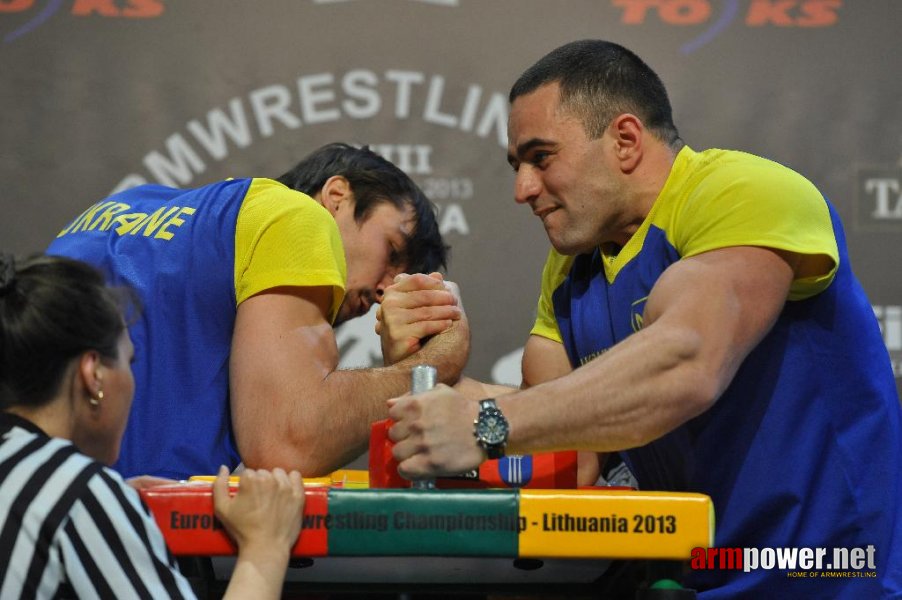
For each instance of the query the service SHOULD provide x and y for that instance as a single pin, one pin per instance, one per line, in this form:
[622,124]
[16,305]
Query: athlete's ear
[628,132]
[336,194]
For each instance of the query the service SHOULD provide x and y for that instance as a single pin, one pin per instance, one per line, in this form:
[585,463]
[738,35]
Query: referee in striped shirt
[70,526]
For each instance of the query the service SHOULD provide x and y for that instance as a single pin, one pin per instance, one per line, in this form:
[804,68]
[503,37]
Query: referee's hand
[265,515]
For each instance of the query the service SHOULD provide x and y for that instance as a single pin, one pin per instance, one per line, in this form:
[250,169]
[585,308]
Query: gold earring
[96,401]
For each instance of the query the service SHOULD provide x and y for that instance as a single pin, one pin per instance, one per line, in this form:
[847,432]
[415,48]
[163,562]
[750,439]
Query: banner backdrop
[98,95]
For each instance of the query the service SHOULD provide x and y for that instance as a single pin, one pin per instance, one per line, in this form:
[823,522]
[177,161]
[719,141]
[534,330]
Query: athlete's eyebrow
[525,147]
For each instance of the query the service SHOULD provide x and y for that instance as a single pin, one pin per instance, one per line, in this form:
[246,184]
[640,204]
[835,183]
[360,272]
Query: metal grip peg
[422,379]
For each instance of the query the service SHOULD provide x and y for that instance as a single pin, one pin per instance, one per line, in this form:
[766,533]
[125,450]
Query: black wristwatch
[491,428]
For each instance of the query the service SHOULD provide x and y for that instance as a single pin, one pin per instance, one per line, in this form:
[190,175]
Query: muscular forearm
[329,424]
[476,390]
[448,352]
[634,393]
[326,423]
[703,317]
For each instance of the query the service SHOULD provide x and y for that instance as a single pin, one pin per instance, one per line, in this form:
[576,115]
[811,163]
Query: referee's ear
[87,382]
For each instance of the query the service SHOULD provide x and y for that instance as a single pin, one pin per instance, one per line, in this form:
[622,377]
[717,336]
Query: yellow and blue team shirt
[192,256]
[804,448]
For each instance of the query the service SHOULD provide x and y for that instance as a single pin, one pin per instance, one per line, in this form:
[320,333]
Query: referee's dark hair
[52,309]
[374,180]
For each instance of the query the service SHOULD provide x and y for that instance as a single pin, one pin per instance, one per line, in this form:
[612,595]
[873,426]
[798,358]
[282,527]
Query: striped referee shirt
[71,527]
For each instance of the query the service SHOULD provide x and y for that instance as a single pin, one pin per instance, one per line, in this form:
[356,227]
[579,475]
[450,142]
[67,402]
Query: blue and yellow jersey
[193,256]
[285,237]
[711,200]
[783,452]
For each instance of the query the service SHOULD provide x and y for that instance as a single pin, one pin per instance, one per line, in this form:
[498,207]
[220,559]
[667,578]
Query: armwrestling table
[449,541]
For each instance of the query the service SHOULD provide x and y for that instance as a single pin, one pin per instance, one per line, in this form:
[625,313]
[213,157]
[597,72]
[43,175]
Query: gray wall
[100,94]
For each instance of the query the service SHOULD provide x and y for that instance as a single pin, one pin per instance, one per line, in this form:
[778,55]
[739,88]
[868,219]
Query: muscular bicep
[282,349]
[543,360]
[726,300]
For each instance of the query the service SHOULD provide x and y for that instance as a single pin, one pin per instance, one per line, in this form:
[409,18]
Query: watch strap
[488,403]
[493,451]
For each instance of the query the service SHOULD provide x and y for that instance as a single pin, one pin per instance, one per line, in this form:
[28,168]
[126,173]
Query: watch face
[492,427]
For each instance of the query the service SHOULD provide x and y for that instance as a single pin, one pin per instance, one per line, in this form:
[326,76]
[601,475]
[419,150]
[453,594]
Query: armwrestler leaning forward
[242,282]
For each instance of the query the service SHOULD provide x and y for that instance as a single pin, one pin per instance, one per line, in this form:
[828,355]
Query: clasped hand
[433,433]
[414,308]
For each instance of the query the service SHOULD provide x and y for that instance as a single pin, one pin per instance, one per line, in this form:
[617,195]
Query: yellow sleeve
[557,266]
[756,202]
[286,238]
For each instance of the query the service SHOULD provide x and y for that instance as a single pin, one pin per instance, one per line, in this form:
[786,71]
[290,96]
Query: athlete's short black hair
[374,180]
[600,80]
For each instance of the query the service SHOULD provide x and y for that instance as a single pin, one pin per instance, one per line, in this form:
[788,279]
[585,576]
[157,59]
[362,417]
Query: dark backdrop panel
[98,94]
